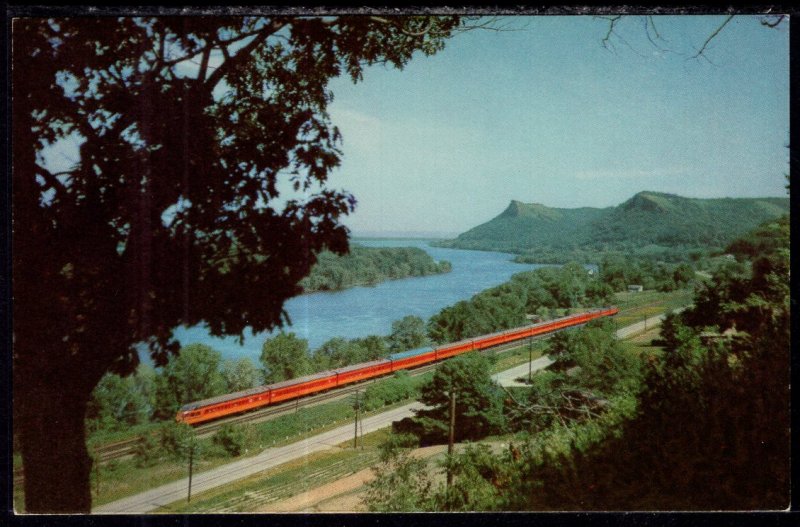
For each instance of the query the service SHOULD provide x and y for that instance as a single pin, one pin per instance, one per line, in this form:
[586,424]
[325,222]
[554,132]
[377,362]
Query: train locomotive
[216,407]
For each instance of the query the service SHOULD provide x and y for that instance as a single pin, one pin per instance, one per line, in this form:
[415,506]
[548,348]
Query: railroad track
[120,449]
[123,448]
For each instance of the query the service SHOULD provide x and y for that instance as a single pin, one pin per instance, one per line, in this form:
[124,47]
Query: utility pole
[355,435]
[530,359]
[645,322]
[452,437]
[191,460]
[361,427]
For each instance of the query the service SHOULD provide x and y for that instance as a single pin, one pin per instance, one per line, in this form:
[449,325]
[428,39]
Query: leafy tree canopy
[188,127]
[240,375]
[284,356]
[408,333]
[192,375]
[479,401]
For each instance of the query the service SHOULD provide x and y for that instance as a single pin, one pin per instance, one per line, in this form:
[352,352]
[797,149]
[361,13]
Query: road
[177,490]
[644,325]
[153,499]
[507,378]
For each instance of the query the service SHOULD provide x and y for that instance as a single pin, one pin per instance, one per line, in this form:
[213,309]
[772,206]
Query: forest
[369,266]
[700,423]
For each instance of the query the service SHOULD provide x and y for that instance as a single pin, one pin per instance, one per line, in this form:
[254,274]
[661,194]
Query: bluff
[649,223]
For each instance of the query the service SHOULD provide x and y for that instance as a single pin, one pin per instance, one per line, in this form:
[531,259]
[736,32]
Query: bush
[176,439]
[232,439]
[147,451]
[398,388]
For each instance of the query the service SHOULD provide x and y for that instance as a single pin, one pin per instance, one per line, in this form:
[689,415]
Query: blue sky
[546,114]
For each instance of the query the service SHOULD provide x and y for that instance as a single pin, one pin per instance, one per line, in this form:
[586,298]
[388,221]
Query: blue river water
[362,311]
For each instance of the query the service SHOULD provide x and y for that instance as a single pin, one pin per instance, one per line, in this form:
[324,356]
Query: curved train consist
[232,403]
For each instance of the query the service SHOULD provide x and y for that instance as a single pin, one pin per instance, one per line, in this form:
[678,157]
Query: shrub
[147,451]
[232,439]
[176,439]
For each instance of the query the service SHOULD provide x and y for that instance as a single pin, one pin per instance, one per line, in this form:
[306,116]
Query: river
[362,311]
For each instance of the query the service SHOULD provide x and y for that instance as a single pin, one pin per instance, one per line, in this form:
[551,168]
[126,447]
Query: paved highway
[165,494]
[506,378]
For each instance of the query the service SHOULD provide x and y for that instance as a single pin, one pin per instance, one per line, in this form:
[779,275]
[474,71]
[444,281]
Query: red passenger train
[232,403]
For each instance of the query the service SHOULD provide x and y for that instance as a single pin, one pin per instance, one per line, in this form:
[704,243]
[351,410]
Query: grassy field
[285,481]
[121,478]
[636,306]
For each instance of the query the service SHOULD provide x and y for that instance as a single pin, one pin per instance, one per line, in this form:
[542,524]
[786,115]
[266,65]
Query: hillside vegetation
[699,422]
[652,224]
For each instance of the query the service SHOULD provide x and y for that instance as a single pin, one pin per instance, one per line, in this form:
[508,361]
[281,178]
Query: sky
[543,112]
[546,114]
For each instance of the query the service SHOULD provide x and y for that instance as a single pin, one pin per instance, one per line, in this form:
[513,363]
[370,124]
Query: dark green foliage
[397,388]
[712,431]
[369,266]
[284,356]
[590,368]
[402,481]
[147,451]
[231,438]
[176,439]
[374,346]
[480,478]
[651,225]
[240,375]
[171,214]
[334,353]
[618,272]
[192,375]
[601,364]
[407,333]
[479,401]
[506,306]
[766,239]
[117,403]
[338,352]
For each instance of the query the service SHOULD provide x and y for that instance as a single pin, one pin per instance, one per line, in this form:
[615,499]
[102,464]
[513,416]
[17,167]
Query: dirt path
[343,495]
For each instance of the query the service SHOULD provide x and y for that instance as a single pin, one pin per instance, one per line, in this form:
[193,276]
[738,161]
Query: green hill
[650,223]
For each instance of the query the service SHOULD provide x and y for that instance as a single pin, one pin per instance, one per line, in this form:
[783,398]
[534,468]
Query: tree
[402,482]
[479,401]
[170,216]
[240,375]
[338,352]
[711,429]
[284,356]
[117,402]
[192,375]
[231,439]
[683,274]
[602,364]
[408,333]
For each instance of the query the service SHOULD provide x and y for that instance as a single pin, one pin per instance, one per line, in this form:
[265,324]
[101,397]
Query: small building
[634,288]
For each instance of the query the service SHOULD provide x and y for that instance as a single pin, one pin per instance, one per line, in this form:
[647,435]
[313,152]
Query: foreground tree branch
[169,215]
